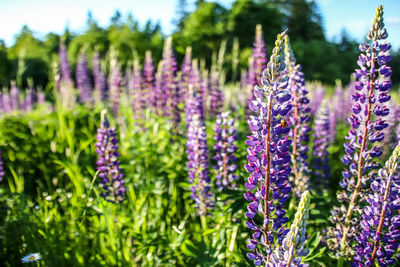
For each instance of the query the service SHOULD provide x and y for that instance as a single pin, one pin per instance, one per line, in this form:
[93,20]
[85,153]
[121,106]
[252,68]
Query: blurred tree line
[204,27]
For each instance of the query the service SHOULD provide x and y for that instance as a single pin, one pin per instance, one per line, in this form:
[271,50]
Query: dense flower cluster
[149,80]
[217,96]
[268,157]
[108,165]
[367,122]
[299,118]
[225,149]
[64,64]
[380,222]
[258,63]
[320,146]
[83,82]
[169,87]
[186,72]
[14,97]
[138,100]
[197,152]
[316,99]
[115,82]
[100,81]
[293,245]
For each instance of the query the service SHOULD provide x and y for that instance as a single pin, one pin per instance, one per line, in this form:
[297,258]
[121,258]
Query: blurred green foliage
[203,28]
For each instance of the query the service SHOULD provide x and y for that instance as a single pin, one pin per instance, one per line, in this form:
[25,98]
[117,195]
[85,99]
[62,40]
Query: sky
[43,16]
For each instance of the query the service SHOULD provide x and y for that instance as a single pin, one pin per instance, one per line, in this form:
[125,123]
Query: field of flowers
[167,165]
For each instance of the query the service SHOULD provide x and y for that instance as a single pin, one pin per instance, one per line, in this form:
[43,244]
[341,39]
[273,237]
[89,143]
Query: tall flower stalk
[367,123]
[299,118]
[99,78]
[108,165]
[169,86]
[83,79]
[197,152]
[320,146]
[14,97]
[268,185]
[148,79]
[65,84]
[115,82]
[293,245]
[225,149]
[258,63]
[138,101]
[380,217]
[217,96]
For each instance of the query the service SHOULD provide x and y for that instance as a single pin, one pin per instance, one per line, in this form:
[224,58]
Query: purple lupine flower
[14,97]
[340,102]
[389,140]
[30,97]
[83,82]
[317,97]
[158,97]
[293,246]
[169,87]
[258,63]
[148,80]
[138,103]
[225,148]
[380,221]
[217,96]
[367,122]
[108,165]
[63,79]
[100,80]
[65,68]
[115,82]
[41,98]
[320,146]
[333,119]
[268,185]
[197,152]
[6,102]
[128,82]
[186,72]
[299,117]
[196,82]
[259,57]
[1,166]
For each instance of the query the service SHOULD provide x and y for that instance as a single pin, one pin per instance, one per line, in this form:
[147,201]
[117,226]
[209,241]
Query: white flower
[31,258]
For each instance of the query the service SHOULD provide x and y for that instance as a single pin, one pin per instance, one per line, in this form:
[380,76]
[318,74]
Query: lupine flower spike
[367,123]
[115,82]
[108,165]
[258,63]
[217,96]
[197,153]
[83,80]
[320,146]
[148,78]
[100,80]
[169,86]
[299,117]
[225,149]
[268,185]
[380,221]
[293,246]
